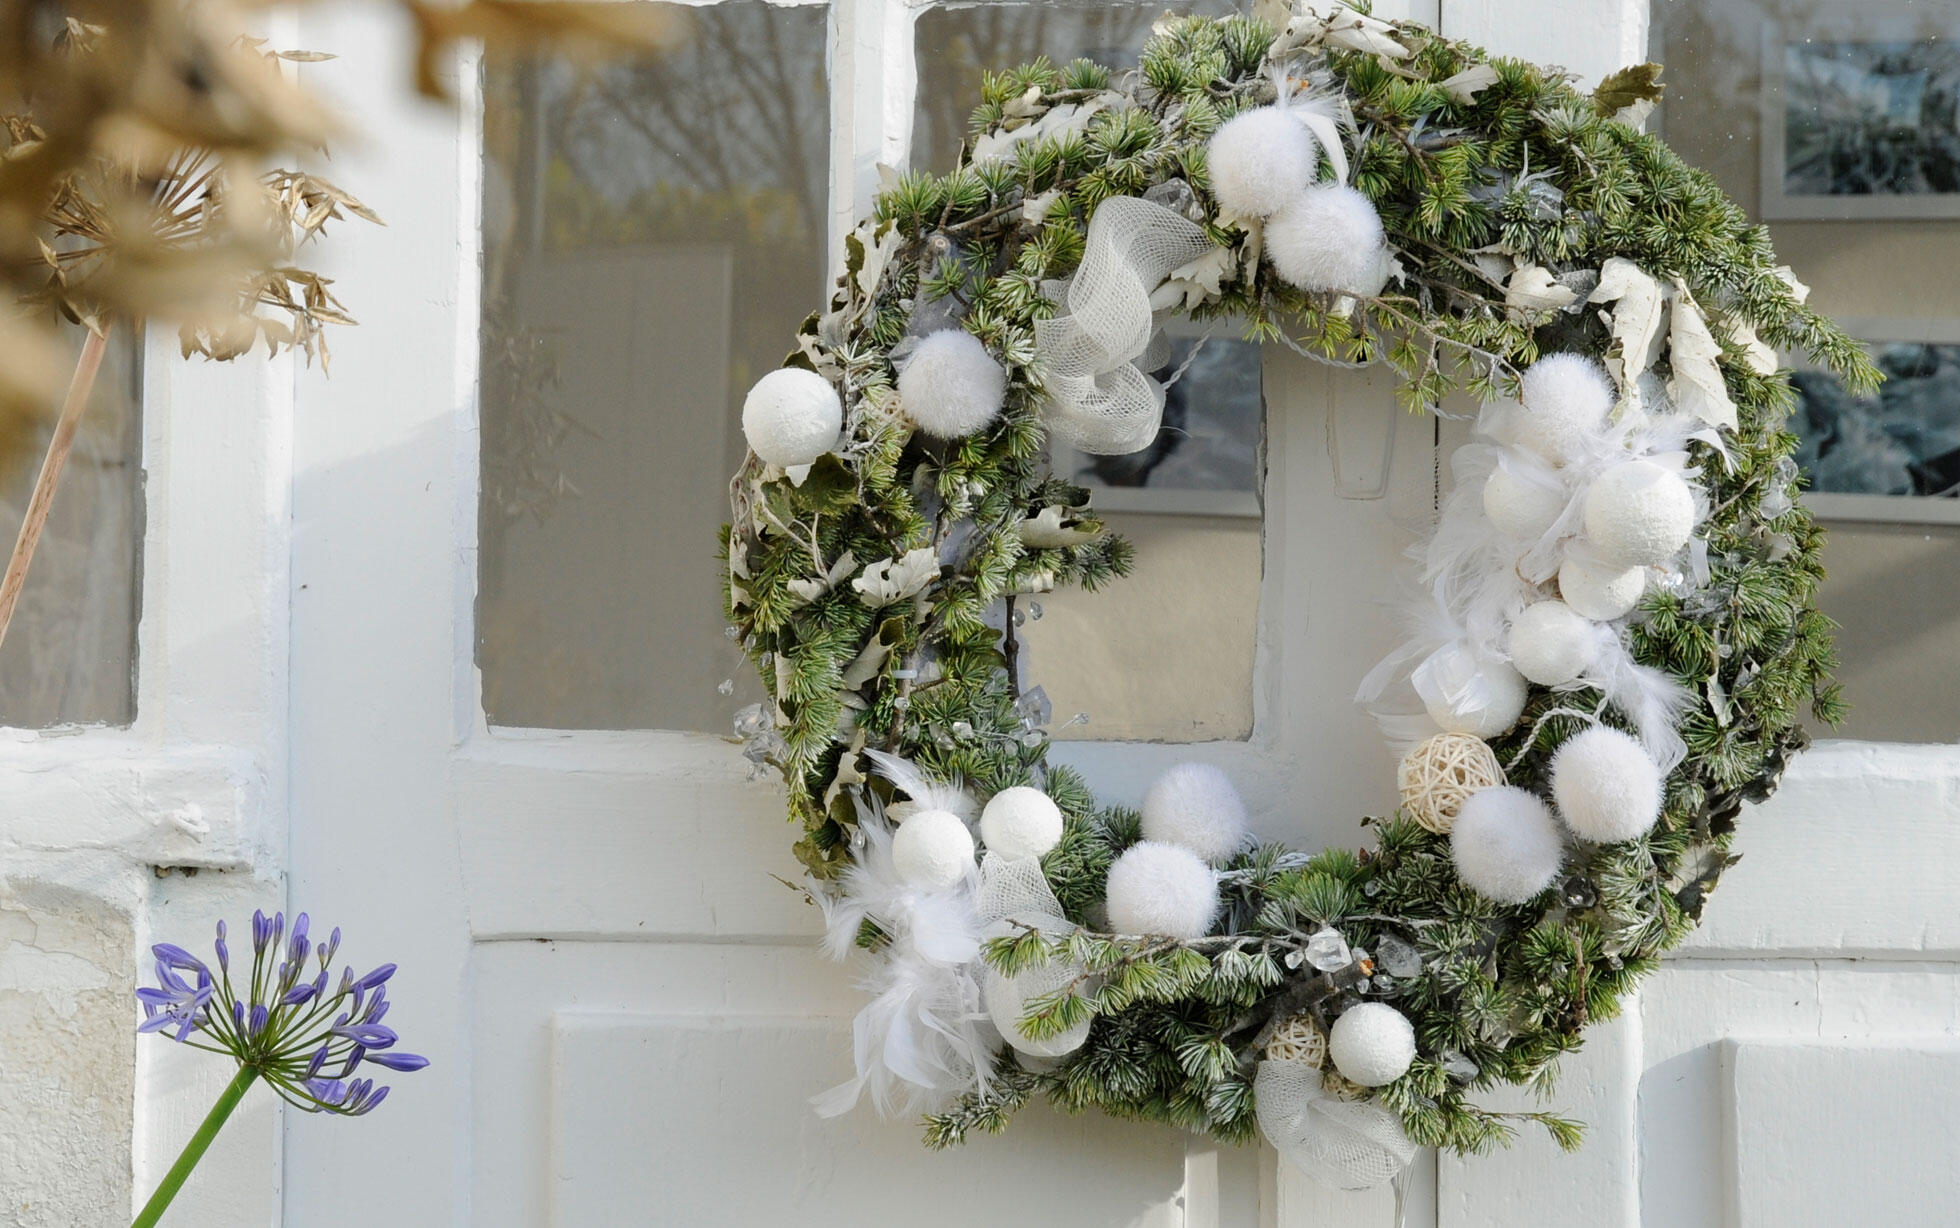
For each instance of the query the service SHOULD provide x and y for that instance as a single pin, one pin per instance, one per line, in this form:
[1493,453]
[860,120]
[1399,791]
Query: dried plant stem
[50,476]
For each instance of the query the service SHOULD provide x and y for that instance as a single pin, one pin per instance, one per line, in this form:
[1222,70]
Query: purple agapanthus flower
[307,1037]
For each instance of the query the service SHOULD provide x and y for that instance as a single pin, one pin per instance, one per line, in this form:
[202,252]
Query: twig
[50,476]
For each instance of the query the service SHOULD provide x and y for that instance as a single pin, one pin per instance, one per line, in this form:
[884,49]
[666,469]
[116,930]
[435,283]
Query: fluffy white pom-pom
[1639,513]
[1519,506]
[1506,844]
[1566,399]
[1601,592]
[951,386]
[1502,688]
[932,849]
[1551,643]
[1162,889]
[1372,1044]
[792,416]
[1607,787]
[1259,160]
[1021,822]
[1329,238]
[1194,806]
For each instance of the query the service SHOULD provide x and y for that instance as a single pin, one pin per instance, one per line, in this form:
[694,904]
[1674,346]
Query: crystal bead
[1031,739]
[751,721]
[1034,610]
[1020,618]
[1033,708]
[902,702]
[732,631]
[1397,957]
[1383,983]
[1295,958]
[1578,892]
[1456,1066]
[962,729]
[726,686]
[1328,951]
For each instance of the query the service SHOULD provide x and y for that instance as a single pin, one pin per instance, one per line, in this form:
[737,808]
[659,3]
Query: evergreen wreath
[1616,641]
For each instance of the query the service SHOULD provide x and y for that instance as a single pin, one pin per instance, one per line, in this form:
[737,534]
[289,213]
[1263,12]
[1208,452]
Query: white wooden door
[625,1010]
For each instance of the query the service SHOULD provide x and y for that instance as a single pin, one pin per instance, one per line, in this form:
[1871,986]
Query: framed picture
[1205,460]
[1861,114]
[1892,455]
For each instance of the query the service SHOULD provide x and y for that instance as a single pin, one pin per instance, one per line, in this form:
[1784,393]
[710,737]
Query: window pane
[653,232]
[70,655]
[1190,502]
[1836,127]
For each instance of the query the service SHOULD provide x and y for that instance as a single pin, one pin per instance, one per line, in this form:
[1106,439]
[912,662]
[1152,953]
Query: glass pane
[1836,126]
[1190,502]
[653,232]
[70,655]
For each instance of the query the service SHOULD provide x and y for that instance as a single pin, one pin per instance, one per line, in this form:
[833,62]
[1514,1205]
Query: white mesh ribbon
[1099,401]
[1347,1144]
[1013,895]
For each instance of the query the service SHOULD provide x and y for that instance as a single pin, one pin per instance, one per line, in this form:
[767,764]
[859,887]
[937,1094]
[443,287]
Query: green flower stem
[194,1150]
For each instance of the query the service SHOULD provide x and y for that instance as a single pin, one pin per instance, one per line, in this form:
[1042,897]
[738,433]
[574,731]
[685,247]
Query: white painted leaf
[1760,355]
[1046,531]
[1639,311]
[808,590]
[1360,32]
[865,666]
[1194,283]
[1788,276]
[1466,85]
[1532,288]
[1692,351]
[1068,117]
[1034,210]
[889,580]
[1027,106]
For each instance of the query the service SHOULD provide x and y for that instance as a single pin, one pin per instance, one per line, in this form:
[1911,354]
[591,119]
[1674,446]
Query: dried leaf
[890,580]
[1357,31]
[1533,290]
[1628,87]
[1696,386]
[1639,311]
[1466,85]
[1053,527]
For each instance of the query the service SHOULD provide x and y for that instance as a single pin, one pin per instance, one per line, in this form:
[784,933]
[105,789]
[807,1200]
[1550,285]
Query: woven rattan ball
[1440,773]
[1298,1040]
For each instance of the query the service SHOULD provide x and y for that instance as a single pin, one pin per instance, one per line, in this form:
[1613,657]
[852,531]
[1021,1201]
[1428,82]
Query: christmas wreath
[1613,649]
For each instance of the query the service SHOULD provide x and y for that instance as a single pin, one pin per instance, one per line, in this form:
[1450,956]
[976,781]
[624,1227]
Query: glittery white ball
[951,386]
[1021,822]
[1372,1044]
[1551,643]
[1259,160]
[1502,687]
[1519,506]
[932,849]
[792,416]
[1600,592]
[1607,787]
[1329,237]
[1195,806]
[1639,513]
[1566,400]
[1506,844]
[1161,889]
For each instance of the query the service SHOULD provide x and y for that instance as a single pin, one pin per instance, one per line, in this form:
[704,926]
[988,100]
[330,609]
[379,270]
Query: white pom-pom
[1600,592]
[1551,643]
[1566,400]
[932,849]
[1607,787]
[1021,822]
[1194,806]
[1519,506]
[1162,889]
[951,386]
[1506,844]
[1329,237]
[1260,160]
[1639,513]
[1472,694]
[1372,1044]
[792,416]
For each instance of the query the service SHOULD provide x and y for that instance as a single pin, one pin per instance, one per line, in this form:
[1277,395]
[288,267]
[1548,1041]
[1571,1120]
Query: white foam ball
[1506,844]
[1329,237]
[1259,160]
[1161,889]
[1608,788]
[1195,806]
[932,849]
[1566,400]
[1007,1001]
[1551,643]
[951,386]
[1638,513]
[1021,822]
[792,416]
[1502,687]
[1372,1044]
[1519,506]
[1600,591]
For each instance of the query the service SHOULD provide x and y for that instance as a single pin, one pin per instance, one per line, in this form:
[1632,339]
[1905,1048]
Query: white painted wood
[1887,1152]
